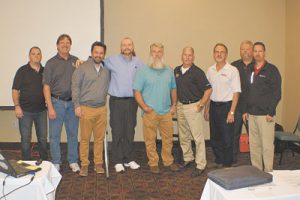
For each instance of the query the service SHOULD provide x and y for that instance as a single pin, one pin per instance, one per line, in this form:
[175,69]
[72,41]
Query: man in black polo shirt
[28,98]
[263,95]
[57,90]
[243,65]
[193,92]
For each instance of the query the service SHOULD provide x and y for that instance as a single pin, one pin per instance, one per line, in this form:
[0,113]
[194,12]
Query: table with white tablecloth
[43,186]
[285,186]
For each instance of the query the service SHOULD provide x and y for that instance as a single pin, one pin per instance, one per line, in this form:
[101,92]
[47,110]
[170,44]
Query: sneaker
[74,167]
[119,168]
[99,169]
[174,167]
[132,165]
[197,172]
[154,169]
[84,171]
[57,166]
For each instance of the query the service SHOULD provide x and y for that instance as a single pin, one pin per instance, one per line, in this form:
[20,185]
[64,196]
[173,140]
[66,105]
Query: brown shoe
[154,169]
[84,171]
[174,167]
[99,169]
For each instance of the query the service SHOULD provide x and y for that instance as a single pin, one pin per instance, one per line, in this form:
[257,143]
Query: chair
[288,140]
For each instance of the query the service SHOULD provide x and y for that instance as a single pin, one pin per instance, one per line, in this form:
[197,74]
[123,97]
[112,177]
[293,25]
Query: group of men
[76,95]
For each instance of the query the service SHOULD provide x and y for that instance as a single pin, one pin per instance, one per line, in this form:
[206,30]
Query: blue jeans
[64,114]
[25,126]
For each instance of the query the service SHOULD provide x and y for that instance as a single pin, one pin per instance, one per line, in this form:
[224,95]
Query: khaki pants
[261,139]
[92,120]
[190,126]
[151,122]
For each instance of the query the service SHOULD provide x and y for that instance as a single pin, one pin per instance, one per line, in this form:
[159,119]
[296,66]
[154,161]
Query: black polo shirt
[190,85]
[58,75]
[29,83]
[264,91]
[244,71]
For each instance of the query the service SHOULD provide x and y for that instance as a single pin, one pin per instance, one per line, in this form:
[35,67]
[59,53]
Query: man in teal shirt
[155,91]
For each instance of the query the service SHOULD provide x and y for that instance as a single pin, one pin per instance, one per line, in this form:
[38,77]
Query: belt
[188,102]
[117,98]
[220,103]
[61,98]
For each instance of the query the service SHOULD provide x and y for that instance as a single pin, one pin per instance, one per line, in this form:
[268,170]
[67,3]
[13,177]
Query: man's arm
[16,100]
[230,115]
[173,101]
[140,100]
[76,88]
[204,99]
[47,95]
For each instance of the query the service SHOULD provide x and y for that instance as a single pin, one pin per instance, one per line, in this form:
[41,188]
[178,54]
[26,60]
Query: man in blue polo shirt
[155,91]
[122,105]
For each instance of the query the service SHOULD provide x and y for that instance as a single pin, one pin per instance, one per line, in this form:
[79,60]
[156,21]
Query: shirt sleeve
[276,88]
[47,74]
[235,81]
[76,86]
[203,81]
[17,81]
[138,81]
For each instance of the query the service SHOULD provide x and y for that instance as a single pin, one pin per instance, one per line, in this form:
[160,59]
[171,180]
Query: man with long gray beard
[155,91]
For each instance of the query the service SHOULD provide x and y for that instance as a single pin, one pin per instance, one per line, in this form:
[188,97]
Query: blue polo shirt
[122,73]
[155,86]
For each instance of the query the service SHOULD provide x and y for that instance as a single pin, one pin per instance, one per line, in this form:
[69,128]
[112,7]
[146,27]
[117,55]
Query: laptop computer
[16,168]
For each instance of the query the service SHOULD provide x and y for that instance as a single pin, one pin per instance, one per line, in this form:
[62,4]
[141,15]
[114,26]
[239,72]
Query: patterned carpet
[141,184]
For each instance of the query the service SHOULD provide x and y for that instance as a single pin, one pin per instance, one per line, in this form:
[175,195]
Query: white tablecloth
[285,186]
[42,187]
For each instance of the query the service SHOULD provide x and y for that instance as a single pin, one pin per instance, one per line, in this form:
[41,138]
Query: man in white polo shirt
[225,82]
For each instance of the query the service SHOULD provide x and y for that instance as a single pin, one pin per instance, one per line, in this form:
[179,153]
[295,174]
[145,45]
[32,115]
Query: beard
[156,63]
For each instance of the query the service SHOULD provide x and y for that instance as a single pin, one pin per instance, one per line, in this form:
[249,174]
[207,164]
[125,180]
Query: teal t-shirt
[155,86]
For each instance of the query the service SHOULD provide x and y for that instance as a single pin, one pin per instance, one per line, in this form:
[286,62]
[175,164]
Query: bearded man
[155,92]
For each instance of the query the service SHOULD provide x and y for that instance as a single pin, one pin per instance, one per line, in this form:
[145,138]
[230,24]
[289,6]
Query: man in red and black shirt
[263,96]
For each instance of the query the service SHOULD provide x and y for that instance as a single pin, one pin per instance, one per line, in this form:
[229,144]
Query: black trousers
[238,124]
[221,133]
[122,121]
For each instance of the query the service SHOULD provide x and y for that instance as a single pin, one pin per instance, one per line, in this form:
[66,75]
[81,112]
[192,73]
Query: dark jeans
[238,123]
[221,133]
[122,121]
[25,126]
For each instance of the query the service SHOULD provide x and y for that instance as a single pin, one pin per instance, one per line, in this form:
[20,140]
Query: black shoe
[227,165]
[154,169]
[197,172]
[187,164]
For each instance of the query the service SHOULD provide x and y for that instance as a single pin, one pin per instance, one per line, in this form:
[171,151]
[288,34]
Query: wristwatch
[231,112]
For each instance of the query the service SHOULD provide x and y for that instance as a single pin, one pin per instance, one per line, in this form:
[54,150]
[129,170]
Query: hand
[206,114]
[51,113]
[199,107]
[245,117]
[78,62]
[19,112]
[269,118]
[78,112]
[173,109]
[230,118]
[147,109]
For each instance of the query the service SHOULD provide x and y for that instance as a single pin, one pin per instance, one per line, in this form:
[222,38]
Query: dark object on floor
[197,172]
[287,140]
[239,177]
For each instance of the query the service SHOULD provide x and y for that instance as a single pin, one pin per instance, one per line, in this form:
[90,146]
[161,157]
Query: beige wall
[198,23]
[291,102]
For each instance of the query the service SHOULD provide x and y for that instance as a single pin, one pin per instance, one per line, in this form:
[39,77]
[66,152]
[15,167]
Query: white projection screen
[27,23]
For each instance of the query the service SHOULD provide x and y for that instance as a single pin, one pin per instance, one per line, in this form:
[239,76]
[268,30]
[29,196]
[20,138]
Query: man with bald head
[123,107]
[193,92]
[243,65]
